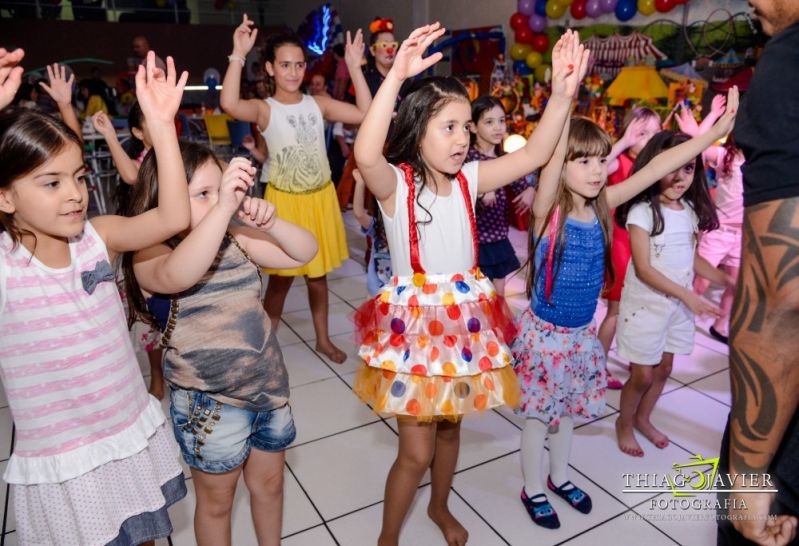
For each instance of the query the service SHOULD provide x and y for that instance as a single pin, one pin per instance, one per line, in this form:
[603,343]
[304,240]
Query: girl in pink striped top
[93,461]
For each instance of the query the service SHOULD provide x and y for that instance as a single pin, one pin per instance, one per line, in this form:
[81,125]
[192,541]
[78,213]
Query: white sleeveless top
[295,138]
[70,374]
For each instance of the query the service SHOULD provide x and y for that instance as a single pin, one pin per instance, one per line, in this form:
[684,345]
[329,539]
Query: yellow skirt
[319,213]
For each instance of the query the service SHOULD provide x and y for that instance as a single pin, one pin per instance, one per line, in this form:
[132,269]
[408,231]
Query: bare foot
[454,533]
[627,442]
[331,351]
[652,434]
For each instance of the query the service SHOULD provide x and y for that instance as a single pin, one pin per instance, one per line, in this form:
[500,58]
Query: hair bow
[102,272]
[381,25]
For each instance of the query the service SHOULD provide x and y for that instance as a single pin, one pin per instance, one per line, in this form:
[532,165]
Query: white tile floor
[335,471]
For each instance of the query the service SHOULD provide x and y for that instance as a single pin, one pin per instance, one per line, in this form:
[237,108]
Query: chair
[238,130]
[217,128]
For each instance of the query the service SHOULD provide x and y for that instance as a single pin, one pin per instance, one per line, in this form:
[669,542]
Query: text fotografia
[699,475]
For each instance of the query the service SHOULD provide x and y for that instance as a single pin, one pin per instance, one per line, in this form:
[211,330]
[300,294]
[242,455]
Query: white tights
[532,452]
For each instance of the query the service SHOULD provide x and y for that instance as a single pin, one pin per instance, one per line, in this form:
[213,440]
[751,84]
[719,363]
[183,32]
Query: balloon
[521,68]
[518,20]
[524,35]
[593,8]
[527,7]
[541,7]
[625,10]
[565,3]
[540,43]
[664,6]
[608,5]
[578,9]
[537,23]
[555,10]
[543,73]
[518,52]
[646,7]
[533,59]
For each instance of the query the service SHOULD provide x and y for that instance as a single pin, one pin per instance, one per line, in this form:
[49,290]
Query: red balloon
[518,20]
[664,6]
[540,43]
[525,36]
[578,9]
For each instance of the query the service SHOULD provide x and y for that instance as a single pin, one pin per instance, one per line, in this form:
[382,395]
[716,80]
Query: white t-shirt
[445,244]
[674,248]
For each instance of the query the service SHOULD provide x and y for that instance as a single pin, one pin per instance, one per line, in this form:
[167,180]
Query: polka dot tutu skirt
[436,347]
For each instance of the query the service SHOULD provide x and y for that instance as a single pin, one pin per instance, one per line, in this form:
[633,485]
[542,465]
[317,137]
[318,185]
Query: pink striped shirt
[68,367]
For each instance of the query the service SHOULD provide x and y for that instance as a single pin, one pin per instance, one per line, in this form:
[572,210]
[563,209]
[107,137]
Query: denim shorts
[216,437]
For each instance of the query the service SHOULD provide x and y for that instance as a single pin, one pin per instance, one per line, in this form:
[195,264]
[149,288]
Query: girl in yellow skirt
[298,182]
[435,339]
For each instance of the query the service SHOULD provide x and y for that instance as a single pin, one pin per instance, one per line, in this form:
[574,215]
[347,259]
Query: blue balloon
[626,9]
[541,7]
[520,68]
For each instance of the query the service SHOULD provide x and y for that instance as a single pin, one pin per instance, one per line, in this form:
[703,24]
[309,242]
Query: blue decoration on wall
[317,44]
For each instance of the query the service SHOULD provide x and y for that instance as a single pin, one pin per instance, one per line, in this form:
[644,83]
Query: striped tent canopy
[609,55]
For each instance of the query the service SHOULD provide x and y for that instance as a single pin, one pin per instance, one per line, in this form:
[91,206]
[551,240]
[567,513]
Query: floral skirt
[561,370]
[436,347]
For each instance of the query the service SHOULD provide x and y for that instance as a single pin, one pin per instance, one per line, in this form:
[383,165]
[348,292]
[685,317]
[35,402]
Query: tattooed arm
[764,357]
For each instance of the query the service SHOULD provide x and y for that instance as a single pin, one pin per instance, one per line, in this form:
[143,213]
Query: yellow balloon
[646,7]
[533,59]
[555,10]
[565,3]
[518,52]
[543,73]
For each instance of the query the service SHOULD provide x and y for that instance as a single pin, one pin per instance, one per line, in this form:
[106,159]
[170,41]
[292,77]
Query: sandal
[540,510]
[614,383]
[574,495]
[718,336]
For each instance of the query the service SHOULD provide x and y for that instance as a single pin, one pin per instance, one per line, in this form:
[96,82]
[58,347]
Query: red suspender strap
[416,262]
[553,232]
[470,212]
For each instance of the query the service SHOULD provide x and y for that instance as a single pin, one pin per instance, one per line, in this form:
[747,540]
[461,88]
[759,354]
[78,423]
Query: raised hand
[353,51]
[687,122]
[524,201]
[60,88]
[717,106]
[726,122]
[257,213]
[10,75]
[236,180]
[102,124]
[409,61]
[569,64]
[158,93]
[244,37]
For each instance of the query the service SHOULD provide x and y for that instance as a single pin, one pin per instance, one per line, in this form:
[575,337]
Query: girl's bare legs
[275,298]
[317,296]
[642,421]
[263,475]
[214,494]
[417,443]
[641,378]
[156,373]
[448,441]
[499,286]
[605,334]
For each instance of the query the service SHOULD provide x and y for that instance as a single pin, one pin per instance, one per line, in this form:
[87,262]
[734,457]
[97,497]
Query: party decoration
[664,6]
[540,43]
[534,59]
[636,82]
[625,10]
[513,143]
[527,7]
[518,20]
[578,9]
[543,73]
[519,67]
[609,55]
[537,23]
[594,8]
[525,36]
[541,7]
[555,10]
[519,52]
[646,7]
[320,29]
[608,6]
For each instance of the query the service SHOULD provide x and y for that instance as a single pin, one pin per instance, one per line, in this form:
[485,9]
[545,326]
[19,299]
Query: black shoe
[718,337]
[540,510]
[575,496]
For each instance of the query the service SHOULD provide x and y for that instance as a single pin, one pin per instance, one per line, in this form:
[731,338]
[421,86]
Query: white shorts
[722,246]
[651,323]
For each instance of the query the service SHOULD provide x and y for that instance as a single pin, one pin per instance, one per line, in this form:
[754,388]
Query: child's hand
[687,122]
[524,201]
[725,124]
[102,124]
[257,213]
[244,37]
[700,306]
[489,199]
[353,52]
[60,88]
[717,106]
[159,96]
[10,75]
[409,62]
[569,65]
[236,180]
[248,142]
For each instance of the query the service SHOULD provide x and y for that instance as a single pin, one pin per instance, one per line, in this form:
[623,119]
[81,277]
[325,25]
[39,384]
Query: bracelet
[231,58]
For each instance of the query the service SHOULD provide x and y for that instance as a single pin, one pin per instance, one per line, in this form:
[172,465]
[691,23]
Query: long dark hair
[586,139]
[273,43]
[480,106]
[28,139]
[144,198]
[697,195]
[425,99]
[731,149]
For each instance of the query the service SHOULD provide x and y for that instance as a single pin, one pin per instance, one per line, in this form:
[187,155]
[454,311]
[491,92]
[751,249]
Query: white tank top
[295,137]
